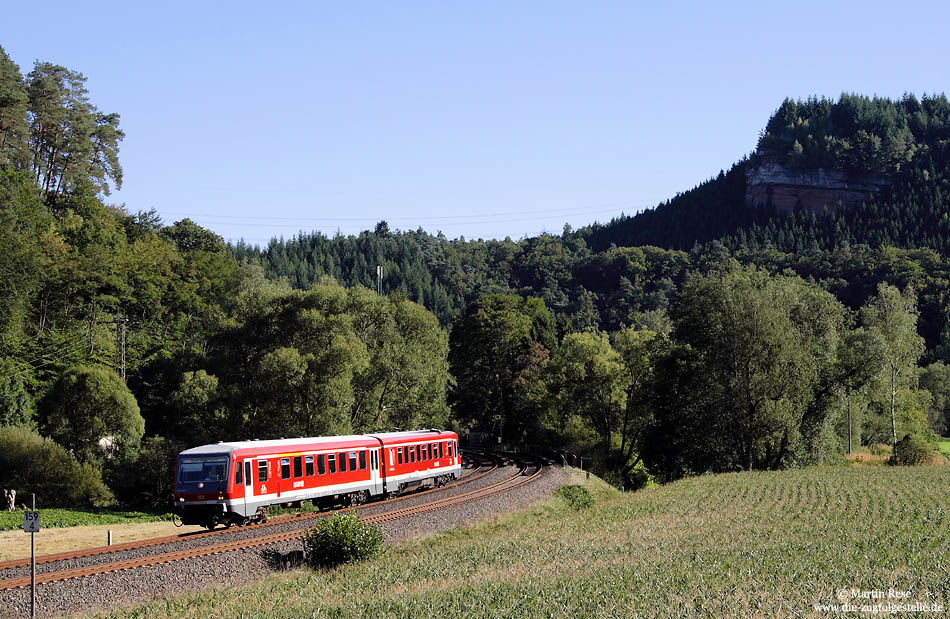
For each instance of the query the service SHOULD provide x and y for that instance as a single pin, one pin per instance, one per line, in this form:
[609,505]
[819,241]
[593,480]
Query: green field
[944,446]
[56,518]
[770,543]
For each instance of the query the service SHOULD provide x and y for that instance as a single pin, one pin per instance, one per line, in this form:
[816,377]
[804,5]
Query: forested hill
[627,271]
[825,148]
[159,335]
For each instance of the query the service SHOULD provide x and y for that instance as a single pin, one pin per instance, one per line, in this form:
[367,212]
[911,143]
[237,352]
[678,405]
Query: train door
[375,477]
[237,492]
[248,489]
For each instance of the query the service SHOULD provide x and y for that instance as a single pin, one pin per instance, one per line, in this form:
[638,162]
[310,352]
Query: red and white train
[233,483]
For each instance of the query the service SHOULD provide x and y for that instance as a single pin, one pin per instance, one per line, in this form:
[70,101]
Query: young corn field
[762,543]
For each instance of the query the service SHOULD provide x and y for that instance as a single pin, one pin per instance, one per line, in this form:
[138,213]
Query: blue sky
[483,119]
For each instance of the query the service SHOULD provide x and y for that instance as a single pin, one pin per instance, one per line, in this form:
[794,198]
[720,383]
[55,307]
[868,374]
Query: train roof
[410,434]
[275,444]
[269,444]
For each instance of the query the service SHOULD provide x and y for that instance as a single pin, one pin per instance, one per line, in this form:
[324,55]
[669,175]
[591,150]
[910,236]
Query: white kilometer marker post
[31,524]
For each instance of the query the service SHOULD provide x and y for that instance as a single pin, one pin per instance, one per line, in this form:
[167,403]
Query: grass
[763,543]
[943,446]
[56,518]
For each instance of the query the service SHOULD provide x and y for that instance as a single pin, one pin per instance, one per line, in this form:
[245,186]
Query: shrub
[31,463]
[147,477]
[911,450]
[86,405]
[578,497]
[340,539]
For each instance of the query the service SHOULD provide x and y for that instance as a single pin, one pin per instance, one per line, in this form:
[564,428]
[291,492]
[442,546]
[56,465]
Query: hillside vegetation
[765,543]
[703,335]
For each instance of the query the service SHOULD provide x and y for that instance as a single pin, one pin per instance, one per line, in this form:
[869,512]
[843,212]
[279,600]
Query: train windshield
[204,469]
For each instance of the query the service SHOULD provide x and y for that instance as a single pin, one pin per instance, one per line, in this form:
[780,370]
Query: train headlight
[181,499]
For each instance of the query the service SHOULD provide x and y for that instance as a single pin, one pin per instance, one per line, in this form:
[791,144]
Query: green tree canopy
[892,316]
[88,405]
[484,350]
[13,119]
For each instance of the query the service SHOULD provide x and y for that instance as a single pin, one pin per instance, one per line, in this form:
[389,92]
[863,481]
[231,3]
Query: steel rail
[203,551]
[180,537]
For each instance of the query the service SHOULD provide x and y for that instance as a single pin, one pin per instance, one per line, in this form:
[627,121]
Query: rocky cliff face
[817,189]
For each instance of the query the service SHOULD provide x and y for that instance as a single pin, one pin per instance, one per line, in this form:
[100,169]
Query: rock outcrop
[817,189]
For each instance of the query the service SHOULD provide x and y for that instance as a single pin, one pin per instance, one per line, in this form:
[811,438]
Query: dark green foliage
[13,120]
[30,463]
[707,212]
[72,143]
[88,405]
[935,378]
[911,450]
[22,220]
[341,538]
[16,404]
[147,477]
[492,346]
[322,361]
[577,497]
[189,236]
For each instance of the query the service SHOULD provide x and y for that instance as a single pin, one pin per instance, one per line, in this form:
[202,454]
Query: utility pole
[379,279]
[119,363]
[120,345]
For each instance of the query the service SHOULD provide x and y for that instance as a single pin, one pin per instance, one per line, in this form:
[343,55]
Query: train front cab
[202,488]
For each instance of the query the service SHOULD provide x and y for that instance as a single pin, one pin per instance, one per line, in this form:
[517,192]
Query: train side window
[353,461]
[450,449]
[362,459]
[298,468]
[412,454]
[391,457]
[398,454]
[341,459]
[429,451]
[441,450]
[247,472]
[373,460]
[262,470]
[238,475]
[331,463]
[320,468]
[285,468]
[308,462]
[419,453]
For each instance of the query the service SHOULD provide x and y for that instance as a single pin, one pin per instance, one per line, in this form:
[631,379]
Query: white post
[109,539]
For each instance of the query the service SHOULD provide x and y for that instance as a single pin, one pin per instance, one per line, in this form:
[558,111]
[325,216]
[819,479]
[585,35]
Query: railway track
[519,478]
[475,474]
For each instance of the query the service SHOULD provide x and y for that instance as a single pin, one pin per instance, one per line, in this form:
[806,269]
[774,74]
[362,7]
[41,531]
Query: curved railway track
[475,474]
[519,478]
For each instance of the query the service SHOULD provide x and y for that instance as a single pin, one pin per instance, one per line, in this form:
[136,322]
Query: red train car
[234,483]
